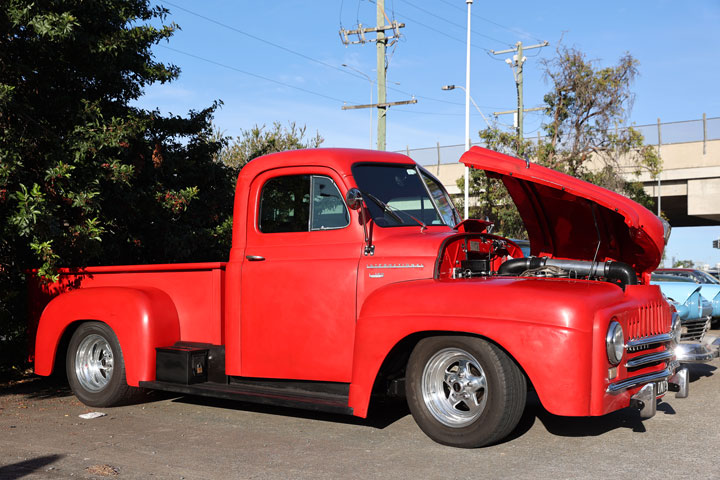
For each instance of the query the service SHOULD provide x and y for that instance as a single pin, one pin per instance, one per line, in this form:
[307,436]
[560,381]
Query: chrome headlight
[615,343]
[676,328]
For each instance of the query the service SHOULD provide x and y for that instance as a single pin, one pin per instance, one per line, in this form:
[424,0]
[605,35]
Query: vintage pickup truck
[351,275]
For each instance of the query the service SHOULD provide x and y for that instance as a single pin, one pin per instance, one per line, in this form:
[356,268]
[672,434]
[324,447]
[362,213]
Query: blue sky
[225,52]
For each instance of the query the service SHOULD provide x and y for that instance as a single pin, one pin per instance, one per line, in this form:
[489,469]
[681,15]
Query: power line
[509,29]
[307,57]
[439,31]
[435,113]
[261,77]
[259,39]
[299,54]
[456,24]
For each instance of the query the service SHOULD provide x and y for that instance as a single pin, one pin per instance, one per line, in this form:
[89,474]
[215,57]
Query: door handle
[255,258]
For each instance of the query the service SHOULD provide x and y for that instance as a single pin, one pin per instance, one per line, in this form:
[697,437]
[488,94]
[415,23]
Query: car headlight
[615,342]
[676,328]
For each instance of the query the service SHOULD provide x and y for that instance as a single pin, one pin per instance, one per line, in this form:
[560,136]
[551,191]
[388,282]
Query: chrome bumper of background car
[697,352]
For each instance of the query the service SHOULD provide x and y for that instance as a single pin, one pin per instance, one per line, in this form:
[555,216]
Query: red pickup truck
[351,275]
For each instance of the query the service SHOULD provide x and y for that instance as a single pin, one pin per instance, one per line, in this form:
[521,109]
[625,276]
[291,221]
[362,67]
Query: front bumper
[654,385]
[645,399]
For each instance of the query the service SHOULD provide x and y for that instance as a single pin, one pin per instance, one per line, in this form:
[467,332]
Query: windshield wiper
[392,211]
[386,208]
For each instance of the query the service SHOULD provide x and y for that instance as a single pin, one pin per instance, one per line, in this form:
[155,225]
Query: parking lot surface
[42,436]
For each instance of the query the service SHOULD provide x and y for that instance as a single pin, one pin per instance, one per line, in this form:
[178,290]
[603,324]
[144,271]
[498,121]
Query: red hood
[557,211]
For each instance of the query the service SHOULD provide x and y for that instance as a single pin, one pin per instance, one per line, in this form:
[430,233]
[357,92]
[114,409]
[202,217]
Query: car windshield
[408,190]
[705,277]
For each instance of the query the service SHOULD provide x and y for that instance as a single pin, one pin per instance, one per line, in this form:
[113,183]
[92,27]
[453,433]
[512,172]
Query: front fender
[545,325]
[142,319]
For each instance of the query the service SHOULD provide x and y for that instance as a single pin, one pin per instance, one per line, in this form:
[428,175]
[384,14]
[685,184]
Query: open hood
[566,217]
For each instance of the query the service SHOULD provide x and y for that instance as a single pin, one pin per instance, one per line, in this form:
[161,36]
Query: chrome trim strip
[397,265]
[650,358]
[642,379]
[662,338]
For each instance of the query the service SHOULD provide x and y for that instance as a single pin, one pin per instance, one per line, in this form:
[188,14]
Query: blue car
[695,313]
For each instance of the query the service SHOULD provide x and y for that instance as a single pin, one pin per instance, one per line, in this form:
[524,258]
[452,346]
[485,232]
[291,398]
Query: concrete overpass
[689,186]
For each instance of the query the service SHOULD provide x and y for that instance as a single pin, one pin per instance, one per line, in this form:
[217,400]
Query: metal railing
[668,133]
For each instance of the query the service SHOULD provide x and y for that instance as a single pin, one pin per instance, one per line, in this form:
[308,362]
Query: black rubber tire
[506,392]
[116,391]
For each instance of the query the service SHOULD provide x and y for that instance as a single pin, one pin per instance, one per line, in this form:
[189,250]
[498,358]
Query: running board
[262,393]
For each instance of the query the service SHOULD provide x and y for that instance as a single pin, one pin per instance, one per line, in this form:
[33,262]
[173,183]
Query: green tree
[85,177]
[683,264]
[583,108]
[259,141]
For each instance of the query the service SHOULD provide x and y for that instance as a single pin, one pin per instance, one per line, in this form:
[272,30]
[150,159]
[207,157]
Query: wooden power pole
[381,41]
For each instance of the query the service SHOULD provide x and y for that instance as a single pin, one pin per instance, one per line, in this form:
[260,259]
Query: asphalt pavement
[42,436]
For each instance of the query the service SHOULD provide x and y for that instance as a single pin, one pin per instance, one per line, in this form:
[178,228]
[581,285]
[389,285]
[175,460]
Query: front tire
[95,367]
[464,391]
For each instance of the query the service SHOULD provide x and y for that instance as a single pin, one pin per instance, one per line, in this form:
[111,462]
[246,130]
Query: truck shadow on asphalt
[382,412]
[36,388]
[27,467]
[594,426]
[577,426]
[385,412]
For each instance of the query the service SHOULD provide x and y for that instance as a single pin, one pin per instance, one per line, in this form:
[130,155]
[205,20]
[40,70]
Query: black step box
[181,364]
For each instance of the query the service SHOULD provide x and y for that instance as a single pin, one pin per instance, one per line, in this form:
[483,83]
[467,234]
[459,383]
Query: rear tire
[464,391]
[95,367]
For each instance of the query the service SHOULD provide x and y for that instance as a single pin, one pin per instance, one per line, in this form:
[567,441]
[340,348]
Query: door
[298,288]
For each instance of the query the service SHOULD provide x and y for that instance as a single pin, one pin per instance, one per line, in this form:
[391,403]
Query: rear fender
[142,319]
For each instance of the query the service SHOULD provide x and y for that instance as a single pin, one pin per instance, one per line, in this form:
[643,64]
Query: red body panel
[554,328]
[559,213]
[305,289]
[142,319]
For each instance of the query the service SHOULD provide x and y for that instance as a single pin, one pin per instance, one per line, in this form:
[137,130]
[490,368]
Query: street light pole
[467,111]
[371,96]
[487,122]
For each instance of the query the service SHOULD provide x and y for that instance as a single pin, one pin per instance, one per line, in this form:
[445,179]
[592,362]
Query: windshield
[407,190]
[705,277]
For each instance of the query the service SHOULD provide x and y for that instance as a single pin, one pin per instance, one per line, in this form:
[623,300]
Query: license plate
[661,387]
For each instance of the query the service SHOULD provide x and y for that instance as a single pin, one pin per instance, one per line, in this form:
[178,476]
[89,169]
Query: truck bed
[197,290]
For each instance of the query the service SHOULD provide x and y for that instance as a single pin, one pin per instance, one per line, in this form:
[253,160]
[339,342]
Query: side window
[299,203]
[328,207]
[285,204]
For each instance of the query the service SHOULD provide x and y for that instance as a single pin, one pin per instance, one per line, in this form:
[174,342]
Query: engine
[485,255]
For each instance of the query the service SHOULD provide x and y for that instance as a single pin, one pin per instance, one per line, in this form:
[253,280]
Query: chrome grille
[649,356]
[694,329]
[648,320]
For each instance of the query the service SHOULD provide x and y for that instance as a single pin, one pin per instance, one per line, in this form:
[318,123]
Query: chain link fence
[668,133]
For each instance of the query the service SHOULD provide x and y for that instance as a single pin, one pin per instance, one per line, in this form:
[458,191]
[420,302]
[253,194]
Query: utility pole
[516,63]
[381,46]
[381,42]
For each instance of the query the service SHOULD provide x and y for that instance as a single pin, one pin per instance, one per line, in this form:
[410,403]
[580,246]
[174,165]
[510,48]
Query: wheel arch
[395,363]
[141,319]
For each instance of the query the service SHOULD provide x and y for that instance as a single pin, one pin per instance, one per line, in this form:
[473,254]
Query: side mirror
[354,199]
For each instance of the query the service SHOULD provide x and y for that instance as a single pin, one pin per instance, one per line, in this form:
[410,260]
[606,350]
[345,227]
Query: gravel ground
[42,436]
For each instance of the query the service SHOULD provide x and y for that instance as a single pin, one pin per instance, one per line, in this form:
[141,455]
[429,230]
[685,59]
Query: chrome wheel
[94,362]
[454,387]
